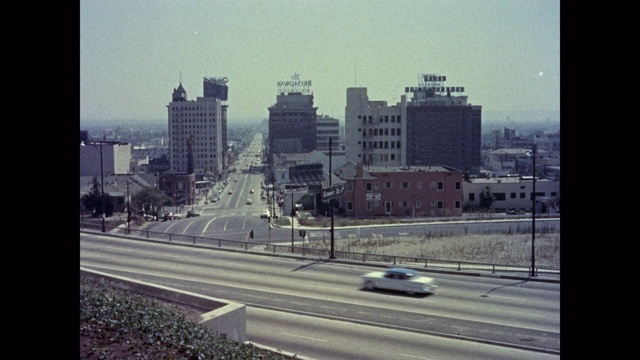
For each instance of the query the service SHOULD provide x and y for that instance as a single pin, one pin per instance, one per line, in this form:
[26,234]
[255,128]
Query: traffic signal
[251,234]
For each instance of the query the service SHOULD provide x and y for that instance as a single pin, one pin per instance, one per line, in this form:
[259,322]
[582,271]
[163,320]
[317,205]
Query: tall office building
[292,119]
[374,132]
[197,138]
[443,129]
[432,128]
[328,130]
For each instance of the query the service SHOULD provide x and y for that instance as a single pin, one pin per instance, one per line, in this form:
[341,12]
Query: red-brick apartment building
[400,191]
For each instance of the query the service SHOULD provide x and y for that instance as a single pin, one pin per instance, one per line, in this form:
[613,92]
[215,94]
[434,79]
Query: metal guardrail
[437,264]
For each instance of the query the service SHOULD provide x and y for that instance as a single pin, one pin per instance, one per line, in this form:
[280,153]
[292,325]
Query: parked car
[399,279]
[192,213]
[230,192]
[265,214]
[251,191]
[249,202]
[167,216]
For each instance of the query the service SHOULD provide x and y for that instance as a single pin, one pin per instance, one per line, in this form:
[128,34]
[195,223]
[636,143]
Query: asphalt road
[318,308]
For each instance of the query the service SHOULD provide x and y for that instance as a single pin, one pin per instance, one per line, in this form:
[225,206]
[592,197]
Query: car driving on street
[399,279]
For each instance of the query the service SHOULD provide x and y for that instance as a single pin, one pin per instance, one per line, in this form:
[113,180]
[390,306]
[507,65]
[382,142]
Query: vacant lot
[509,249]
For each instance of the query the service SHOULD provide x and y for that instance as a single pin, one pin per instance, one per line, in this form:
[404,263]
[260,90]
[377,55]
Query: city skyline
[133,54]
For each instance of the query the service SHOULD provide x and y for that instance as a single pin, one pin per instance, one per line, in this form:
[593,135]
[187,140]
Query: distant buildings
[432,128]
[197,131]
[513,193]
[104,158]
[328,131]
[292,120]
[375,134]
[419,157]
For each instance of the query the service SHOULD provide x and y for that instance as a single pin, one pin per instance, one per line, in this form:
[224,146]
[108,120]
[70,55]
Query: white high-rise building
[375,134]
[196,141]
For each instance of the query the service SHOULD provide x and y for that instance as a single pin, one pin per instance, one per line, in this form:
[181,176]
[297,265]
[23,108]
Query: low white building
[104,158]
[513,193]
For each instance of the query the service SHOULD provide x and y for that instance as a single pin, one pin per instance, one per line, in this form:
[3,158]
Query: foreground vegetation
[116,324]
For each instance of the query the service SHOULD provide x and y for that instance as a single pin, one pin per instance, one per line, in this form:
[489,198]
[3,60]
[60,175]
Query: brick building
[400,191]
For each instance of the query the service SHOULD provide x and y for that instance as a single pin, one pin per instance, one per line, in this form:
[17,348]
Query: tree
[93,200]
[307,202]
[486,199]
[149,199]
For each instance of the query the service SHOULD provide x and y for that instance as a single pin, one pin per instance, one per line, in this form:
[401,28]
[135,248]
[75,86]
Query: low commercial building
[400,191]
[513,193]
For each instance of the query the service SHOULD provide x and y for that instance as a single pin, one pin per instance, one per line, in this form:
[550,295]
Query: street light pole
[332,254]
[291,219]
[102,184]
[533,219]
[128,210]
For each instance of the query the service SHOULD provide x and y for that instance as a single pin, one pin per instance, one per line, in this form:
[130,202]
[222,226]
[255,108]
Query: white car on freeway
[399,279]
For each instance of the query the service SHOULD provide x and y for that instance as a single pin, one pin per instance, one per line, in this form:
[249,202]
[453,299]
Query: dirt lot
[509,249]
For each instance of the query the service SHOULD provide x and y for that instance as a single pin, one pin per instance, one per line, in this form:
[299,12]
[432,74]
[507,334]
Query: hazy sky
[506,53]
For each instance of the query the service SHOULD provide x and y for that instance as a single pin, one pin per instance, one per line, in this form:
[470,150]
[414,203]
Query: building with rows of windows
[433,127]
[196,134]
[400,191]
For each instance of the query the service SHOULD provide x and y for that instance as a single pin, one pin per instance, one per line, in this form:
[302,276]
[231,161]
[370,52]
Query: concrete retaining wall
[225,317]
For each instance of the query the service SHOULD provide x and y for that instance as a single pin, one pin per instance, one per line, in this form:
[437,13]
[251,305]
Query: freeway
[318,309]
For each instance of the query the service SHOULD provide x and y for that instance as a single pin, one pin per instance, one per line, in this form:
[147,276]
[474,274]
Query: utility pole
[332,254]
[128,210]
[533,218]
[102,184]
[292,219]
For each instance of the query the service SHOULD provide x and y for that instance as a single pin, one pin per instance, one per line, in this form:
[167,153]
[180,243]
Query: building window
[368,186]
[405,185]
[349,186]
[350,206]
[458,185]
[440,185]
[522,196]
[375,186]
[472,197]
[457,204]
[404,204]
[387,185]
[440,205]
[512,195]
[419,184]
[368,205]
